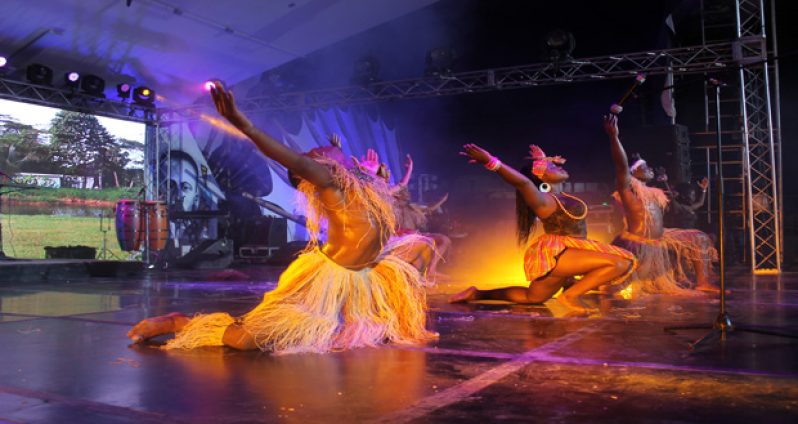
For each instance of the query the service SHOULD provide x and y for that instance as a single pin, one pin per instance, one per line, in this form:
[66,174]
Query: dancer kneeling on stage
[347,293]
[644,233]
[414,218]
[563,251]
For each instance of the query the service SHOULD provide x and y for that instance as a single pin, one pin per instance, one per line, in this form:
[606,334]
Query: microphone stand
[723,325]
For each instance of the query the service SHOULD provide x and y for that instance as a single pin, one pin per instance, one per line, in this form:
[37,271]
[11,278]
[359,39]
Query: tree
[21,149]
[81,146]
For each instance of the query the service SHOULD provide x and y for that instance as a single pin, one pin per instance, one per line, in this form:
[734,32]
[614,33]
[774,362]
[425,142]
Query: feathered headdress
[541,161]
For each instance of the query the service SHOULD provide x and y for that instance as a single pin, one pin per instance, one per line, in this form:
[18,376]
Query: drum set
[141,223]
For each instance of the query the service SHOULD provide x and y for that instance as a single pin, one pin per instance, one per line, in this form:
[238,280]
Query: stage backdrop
[236,170]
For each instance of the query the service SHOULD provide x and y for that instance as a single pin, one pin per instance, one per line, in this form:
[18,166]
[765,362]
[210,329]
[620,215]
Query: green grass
[57,194]
[25,236]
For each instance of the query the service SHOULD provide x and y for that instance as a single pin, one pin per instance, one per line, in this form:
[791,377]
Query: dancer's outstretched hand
[408,162]
[704,183]
[475,154]
[370,163]
[611,125]
[226,106]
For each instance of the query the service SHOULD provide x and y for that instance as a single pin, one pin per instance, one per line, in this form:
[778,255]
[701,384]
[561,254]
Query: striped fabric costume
[564,231]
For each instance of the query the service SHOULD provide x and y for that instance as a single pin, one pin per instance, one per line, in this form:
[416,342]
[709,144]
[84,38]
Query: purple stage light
[3,61]
[123,91]
[73,76]
[208,85]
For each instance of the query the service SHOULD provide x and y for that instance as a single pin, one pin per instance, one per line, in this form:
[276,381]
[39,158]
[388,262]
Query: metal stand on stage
[105,227]
[723,324]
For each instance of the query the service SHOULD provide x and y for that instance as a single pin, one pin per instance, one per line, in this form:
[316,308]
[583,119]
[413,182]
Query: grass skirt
[687,248]
[319,306]
[542,254]
[657,272]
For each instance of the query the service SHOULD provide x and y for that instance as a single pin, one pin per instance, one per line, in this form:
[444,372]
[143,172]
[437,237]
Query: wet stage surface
[66,359]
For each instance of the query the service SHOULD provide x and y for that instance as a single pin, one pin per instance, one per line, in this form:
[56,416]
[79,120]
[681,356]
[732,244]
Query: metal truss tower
[764,217]
[752,117]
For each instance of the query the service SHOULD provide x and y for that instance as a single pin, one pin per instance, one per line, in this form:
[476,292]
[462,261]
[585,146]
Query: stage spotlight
[440,61]
[559,45]
[93,85]
[39,74]
[3,61]
[366,71]
[72,79]
[144,96]
[123,91]
[208,85]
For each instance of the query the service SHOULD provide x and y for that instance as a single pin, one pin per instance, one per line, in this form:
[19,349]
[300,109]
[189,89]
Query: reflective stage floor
[66,359]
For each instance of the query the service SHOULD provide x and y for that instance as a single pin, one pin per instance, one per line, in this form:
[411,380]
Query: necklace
[570,215]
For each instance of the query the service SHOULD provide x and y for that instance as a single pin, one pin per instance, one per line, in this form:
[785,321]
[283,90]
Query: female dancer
[563,251]
[347,293]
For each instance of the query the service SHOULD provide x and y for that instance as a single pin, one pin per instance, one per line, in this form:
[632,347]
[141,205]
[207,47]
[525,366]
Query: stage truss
[71,100]
[684,60]
[762,193]
[747,55]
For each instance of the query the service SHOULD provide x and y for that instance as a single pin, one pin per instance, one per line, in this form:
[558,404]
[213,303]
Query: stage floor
[65,359]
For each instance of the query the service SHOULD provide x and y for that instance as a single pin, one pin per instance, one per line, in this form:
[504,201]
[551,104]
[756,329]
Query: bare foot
[574,305]
[153,327]
[465,295]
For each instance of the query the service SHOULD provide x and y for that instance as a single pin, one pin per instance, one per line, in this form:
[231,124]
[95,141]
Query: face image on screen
[62,175]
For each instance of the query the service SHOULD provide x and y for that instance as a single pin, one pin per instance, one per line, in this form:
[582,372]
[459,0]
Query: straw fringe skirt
[687,248]
[319,306]
[658,272]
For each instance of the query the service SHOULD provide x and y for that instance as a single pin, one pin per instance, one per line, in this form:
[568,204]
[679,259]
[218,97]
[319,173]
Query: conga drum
[128,224]
[155,212]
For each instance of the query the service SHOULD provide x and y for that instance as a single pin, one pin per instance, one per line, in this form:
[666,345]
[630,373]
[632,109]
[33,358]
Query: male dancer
[347,293]
[644,233]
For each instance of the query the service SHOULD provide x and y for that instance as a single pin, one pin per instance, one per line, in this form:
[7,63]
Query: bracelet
[493,164]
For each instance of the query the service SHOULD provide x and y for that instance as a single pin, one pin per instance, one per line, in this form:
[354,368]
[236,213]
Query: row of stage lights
[87,84]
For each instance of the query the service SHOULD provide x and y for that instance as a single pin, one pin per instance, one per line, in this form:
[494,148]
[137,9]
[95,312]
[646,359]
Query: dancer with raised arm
[413,218]
[563,251]
[644,233]
[347,293]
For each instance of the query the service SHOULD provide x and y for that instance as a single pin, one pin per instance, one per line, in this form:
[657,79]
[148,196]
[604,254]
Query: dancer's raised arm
[302,166]
[408,170]
[539,202]
[623,178]
[703,184]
